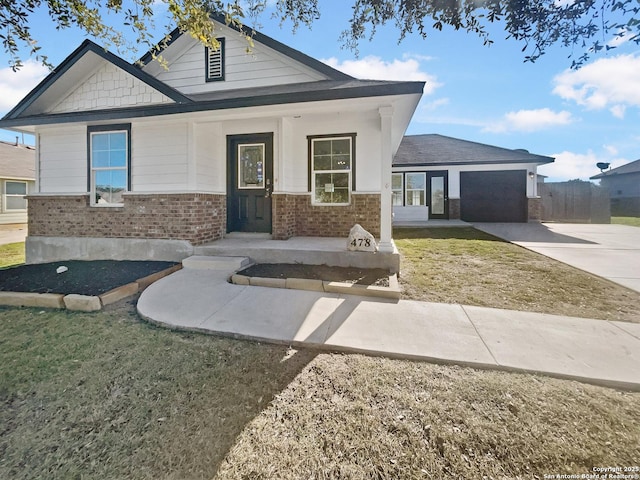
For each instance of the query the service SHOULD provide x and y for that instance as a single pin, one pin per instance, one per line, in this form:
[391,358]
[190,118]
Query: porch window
[415,189]
[332,169]
[14,193]
[214,62]
[397,181]
[109,164]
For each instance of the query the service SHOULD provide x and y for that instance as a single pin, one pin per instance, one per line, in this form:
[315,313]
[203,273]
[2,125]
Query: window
[415,189]
[332,169]
[14,193]
[397,181]
[109,165]
[214,62]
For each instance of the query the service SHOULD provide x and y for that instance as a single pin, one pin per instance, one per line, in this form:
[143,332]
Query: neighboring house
[623,184]
[17,180]
[438,177]
[141,161]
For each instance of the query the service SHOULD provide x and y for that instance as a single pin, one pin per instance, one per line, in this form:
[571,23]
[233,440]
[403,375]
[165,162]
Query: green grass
[631,221]
[469,267]
[12,254]
[107,396]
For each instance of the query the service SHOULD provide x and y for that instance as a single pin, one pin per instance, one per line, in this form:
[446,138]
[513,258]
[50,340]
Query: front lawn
[470,267]
[631,221]
[107,396]
[11,254]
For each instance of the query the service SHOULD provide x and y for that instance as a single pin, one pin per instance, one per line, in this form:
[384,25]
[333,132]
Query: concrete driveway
[609,251]
[12,233]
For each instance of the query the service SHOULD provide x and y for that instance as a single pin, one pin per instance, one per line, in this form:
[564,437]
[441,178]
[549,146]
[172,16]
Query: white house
[439,177]
[134,160]
[17,180]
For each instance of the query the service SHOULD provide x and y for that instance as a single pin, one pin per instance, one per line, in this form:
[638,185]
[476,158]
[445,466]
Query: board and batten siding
[261,67]
[63,159]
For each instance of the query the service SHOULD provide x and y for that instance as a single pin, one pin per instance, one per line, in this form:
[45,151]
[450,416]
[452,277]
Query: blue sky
[480,93]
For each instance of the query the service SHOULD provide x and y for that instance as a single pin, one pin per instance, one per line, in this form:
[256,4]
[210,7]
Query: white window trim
[313,170]
[92,170]
[4,200]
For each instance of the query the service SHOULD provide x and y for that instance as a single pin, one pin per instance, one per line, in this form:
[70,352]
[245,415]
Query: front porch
[260,248]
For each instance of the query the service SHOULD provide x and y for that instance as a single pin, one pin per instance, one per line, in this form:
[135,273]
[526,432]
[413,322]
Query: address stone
[360,240]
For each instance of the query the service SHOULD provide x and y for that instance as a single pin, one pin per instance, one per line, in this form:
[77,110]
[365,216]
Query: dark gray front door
[249,182]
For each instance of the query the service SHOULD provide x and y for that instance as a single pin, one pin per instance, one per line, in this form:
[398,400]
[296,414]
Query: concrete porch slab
[308,250]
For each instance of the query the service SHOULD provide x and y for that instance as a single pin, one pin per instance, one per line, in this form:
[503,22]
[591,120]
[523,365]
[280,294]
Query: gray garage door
[493,196]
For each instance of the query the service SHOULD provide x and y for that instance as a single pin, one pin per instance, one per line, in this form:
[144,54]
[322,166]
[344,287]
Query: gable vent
[215,62]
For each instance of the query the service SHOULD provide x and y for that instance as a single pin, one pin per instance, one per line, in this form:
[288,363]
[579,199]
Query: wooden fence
[574,201]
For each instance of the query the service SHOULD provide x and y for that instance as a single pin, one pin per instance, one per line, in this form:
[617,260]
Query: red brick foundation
[294,215]
[196,217]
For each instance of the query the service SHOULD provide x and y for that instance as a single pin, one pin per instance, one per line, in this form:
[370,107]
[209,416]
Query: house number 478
[359,242]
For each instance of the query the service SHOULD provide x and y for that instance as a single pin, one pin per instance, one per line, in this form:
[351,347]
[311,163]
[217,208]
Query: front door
[438,195]
[249,182]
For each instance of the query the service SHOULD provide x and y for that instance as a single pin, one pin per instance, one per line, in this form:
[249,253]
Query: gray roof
[631,167]
[434,150]
[17,161]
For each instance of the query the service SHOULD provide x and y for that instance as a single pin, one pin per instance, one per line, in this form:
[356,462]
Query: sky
[485,94]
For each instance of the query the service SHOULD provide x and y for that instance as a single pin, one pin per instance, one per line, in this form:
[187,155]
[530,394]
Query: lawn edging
[392,291]
[83,303]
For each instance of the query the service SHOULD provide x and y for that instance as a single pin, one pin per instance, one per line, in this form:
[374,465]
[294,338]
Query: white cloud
[571,165]
[612,83]
[15,85]
[530,121]
[374,68]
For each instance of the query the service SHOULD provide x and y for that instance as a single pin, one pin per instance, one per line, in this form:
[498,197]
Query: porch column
[386,115]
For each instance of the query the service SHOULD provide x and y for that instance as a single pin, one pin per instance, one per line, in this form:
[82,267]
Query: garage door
[493,196]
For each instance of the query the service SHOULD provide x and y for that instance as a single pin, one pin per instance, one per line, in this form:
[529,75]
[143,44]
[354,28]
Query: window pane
[396,181]
[100,159]
[110,185]
[397,198]
[341,162]
[251,166]
[100,141]
[322,162]
[16,188]
[415,197]
[322,147]
[341,180]
[118,141]
[340,195]
[437,195]
[415,181]
[118,158]
[16,203]
[323,179]
[342,146]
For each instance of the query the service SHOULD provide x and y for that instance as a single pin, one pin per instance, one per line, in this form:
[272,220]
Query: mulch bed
[82,277]
[359,276]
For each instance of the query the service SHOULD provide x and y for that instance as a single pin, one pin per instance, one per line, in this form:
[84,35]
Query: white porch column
[386,115]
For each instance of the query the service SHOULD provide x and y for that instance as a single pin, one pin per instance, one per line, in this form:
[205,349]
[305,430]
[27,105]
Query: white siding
[109,87]
[210,158]
[159,157]
[262,67]
[63,159]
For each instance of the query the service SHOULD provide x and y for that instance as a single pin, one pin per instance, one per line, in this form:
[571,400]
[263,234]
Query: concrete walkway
[609,251]
[595,351]
[13,233]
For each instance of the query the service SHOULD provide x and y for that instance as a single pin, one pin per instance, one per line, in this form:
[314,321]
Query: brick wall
[294,215]
[195,217]
[454,209]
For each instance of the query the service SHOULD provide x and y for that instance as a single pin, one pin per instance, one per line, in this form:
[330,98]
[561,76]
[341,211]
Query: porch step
[201,262]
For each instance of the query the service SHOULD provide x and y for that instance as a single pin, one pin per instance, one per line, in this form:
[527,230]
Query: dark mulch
[359,276]
[83,277]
